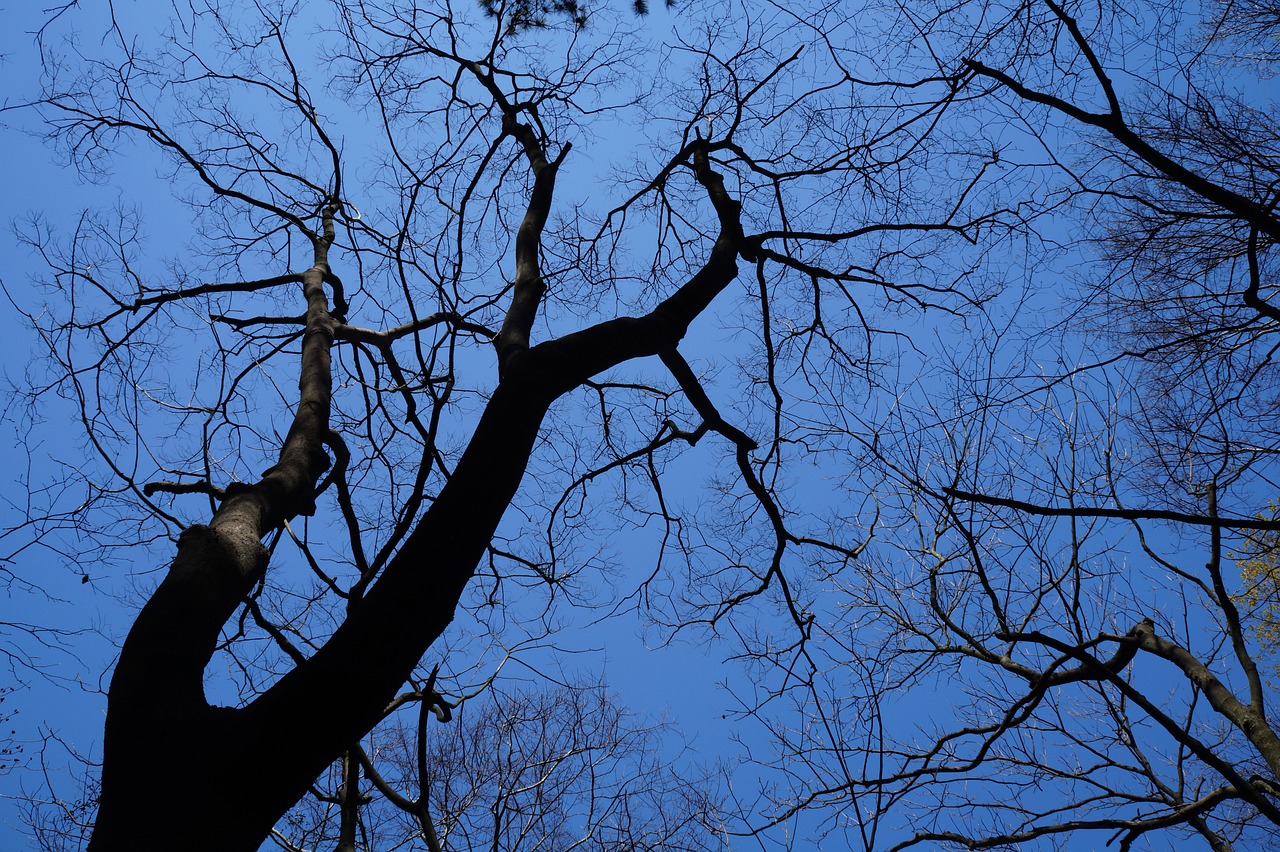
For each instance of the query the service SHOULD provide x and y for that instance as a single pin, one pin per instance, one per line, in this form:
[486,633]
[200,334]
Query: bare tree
[561,768]
[961,313]
[377,205]
[1057,567]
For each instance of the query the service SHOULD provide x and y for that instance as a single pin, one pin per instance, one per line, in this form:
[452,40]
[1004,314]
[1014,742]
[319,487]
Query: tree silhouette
[377,287]
[919,358]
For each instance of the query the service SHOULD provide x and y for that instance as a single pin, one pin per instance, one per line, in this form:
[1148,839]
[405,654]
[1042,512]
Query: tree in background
[1067,509]
[1259,594]
[561,768]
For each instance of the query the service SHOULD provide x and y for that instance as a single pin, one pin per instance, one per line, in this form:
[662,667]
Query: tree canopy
[914,359]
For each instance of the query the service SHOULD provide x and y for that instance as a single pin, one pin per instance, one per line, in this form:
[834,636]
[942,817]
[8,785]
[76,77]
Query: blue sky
[826,489]
[66,698]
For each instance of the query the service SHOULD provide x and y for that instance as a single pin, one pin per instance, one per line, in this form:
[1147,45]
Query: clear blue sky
[682,681]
